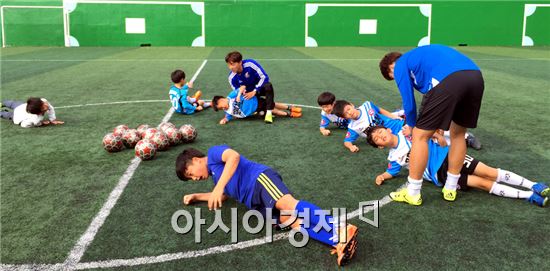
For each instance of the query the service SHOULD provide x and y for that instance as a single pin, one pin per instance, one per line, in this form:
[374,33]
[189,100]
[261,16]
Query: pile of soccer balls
[146,141]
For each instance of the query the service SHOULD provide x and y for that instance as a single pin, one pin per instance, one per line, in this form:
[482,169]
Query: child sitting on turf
[261,188]
[235,106]
[326,102]
[178,95]
[31,113]
[474,174]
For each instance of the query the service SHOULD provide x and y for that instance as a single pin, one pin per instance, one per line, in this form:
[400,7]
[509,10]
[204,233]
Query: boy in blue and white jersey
[326,102]
[261,188]
[235,106]
[178,95]
[368,114]
[474,173]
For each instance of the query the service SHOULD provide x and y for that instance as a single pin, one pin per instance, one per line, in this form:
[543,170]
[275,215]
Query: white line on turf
[259,59]
[86,239]
[148,101]
[180,255]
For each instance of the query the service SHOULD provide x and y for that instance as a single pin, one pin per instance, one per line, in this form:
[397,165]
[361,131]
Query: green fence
[274,23]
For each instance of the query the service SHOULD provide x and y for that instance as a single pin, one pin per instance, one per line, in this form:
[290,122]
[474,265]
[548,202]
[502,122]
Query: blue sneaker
[538,200]
[541,189]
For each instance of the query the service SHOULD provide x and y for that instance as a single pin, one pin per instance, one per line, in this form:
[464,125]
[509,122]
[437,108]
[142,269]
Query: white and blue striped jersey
[178,98]
[370,115]
[399,158]
[327,119]
[253,76]
[241,109]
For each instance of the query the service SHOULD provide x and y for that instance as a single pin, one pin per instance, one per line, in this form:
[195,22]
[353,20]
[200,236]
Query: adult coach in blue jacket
[453,88]
[251,80]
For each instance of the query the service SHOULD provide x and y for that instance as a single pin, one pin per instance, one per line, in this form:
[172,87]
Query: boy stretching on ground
[259,187]
[31,113]
[235,106]
[326,102]
[474,174]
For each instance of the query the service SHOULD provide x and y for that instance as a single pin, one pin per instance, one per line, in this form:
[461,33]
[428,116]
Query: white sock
[505,176]
[509,192]
[452,181]
[191,100]
[206,104]
[268,112]
[414,186]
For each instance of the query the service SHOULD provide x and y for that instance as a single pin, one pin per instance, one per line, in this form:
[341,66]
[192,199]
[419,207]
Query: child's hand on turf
[380,179]
[45,122]
[216,199]
[188,199]
[223,121]
[325,132]
[353,148]
[57,122]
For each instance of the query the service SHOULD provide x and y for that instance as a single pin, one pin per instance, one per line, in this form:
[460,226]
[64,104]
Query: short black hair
[184,160]
[385,63]
[338,109]
[326,98]
[215,102]
[177,76]
[233,57]
[34,105]
[369,131]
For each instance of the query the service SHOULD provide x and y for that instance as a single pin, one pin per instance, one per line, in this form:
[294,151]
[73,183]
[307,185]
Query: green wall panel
[104,24]
[339,26]
[538,26]
[33,27]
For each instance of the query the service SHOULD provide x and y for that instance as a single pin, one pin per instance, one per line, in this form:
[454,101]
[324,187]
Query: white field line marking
[180,255]
[149,101]
[258,59]
[86,239]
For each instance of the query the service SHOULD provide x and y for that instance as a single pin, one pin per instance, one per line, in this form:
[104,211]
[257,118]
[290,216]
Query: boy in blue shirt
[259,187]
[251,80]
[326,101]
[453,86]
[178,95]
[473,174]
[360,118]
[235,106]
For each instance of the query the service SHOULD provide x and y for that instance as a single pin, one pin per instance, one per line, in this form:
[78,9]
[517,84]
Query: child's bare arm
[199,197]
[388,114]
[380,179]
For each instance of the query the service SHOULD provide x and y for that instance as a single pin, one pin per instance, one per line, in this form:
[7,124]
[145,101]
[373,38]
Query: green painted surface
[538,26]
[44,29]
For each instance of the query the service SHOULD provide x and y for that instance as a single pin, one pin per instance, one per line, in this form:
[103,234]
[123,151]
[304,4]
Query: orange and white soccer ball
[165,125]
[149,133]
[145,149]
[173,135]
[188,133]
[120,130]
[141,129]
[160,139]
[131,138]
[112,143]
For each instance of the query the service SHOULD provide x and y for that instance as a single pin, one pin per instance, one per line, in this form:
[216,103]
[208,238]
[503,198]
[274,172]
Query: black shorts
[468,168]
[269,188]
[457,98]
[262,105]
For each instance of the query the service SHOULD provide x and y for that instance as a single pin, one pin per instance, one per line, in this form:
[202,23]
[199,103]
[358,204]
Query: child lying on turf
[31,113]
[326,101]
[260,188]
[235,106]
[474,174]
[178,95]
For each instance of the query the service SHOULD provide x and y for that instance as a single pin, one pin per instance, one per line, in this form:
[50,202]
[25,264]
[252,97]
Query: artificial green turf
[54,180]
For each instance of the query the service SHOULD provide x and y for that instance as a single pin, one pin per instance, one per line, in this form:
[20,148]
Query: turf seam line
[86,239]
[259,59]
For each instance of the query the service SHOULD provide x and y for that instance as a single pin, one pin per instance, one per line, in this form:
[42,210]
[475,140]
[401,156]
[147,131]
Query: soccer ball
[166,125]
[173,135]
[119,130]
[141,129]
[149,133]
[188,133]
[160,140]
[112,143]
[131,138]
[145,149]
